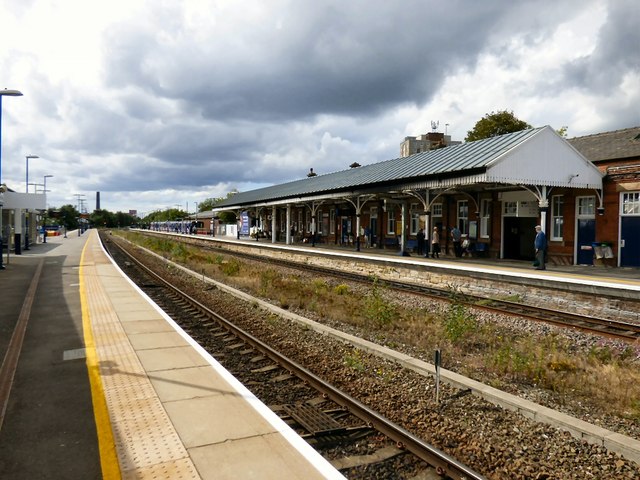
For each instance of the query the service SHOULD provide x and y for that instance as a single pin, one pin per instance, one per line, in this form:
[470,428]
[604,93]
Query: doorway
[586,236]
[519,236]
[630,241]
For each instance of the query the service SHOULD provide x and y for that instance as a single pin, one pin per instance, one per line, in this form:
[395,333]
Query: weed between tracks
[606,377]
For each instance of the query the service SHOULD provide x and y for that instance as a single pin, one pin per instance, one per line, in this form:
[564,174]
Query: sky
[162,104]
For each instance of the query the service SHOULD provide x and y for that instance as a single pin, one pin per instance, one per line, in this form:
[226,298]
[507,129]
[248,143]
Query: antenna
[434,125]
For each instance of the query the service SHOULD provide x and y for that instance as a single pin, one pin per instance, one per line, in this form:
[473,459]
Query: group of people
[461,243]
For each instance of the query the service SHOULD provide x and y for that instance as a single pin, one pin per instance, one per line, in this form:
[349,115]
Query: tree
[67,215]
[496,123]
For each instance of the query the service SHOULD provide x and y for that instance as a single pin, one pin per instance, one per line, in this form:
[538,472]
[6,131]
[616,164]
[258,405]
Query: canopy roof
[535,157]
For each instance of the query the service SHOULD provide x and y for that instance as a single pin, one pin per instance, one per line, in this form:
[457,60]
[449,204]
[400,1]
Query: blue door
[630,241]
[586,235]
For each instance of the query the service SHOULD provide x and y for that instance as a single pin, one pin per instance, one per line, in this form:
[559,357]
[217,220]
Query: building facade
[494,190]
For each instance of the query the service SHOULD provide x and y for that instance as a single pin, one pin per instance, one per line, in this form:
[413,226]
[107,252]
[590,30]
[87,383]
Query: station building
[494,190]
[20,216]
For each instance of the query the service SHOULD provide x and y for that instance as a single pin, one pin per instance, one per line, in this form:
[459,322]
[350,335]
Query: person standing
[420,238]
[456,237]
[540,245]
[435,243]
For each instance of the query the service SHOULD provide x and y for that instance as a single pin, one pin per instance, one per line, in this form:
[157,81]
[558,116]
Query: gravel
[497,442]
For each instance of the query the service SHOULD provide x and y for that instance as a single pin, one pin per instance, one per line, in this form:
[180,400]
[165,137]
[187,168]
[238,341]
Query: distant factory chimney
[97,200]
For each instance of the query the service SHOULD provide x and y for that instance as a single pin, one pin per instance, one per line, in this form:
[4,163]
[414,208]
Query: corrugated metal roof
[455,159]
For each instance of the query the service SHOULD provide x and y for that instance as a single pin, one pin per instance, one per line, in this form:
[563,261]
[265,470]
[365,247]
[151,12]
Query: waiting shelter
[494,190]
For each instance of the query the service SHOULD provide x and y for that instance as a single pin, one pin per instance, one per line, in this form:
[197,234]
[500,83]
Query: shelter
[20,214]
[495,190]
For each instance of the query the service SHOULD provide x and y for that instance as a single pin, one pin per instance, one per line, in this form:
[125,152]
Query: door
[373,227]
[630,241]
[519,235]
[586,236]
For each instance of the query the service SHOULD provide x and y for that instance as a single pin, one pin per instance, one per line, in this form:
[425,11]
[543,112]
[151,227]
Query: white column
[274,223]
[288,225]
[403,224]
[17,221]
[544,206]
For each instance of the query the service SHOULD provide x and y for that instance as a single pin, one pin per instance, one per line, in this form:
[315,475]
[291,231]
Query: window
[436,209]
[463,216]
[332,221]
[586,206]
[631,203]
[415,219]
[299,225]
[510,209]
[391,222]
[557,217]
[485,216]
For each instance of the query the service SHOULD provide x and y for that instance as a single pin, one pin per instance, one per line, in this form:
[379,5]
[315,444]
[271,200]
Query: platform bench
[480,249]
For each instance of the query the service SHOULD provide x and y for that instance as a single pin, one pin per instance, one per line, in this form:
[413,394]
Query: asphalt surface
[48,430]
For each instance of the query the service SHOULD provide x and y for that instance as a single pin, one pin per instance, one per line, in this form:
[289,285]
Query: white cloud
[158,103]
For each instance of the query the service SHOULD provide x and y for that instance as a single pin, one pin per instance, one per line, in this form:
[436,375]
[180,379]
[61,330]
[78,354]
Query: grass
[606,377]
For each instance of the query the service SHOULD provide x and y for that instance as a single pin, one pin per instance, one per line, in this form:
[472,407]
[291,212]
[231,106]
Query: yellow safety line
[106,444]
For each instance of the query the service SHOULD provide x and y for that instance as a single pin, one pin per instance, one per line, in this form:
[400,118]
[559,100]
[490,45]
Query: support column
[544,207]
[403,227]
[288,242]
[258,224]
[17,228]
[274,223]
[27,226]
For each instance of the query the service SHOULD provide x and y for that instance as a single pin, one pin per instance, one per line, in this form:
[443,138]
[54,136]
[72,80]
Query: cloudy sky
[164,103]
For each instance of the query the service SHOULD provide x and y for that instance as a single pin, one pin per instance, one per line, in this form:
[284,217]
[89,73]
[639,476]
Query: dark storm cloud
[617,52]
[325,58]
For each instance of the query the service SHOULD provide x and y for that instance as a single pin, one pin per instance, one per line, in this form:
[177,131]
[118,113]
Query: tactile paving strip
[146,442]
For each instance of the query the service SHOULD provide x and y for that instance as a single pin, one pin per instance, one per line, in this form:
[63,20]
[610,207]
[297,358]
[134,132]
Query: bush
[459,322]
[377,308]
[231,268]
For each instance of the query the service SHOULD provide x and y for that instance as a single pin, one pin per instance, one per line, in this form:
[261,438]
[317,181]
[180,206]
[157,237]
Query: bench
[479,249]
[391,242]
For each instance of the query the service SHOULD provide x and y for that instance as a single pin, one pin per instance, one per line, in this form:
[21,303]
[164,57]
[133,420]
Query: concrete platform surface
[107,386]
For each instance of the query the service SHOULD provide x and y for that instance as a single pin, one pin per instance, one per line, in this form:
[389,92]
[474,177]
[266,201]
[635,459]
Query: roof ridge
[605,133]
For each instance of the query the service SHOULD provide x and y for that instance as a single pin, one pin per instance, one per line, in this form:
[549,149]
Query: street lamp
[26,182]
[44,222]
[27,170]
[3,93]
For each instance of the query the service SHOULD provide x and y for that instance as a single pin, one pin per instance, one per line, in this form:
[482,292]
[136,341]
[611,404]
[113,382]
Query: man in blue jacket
[540,245]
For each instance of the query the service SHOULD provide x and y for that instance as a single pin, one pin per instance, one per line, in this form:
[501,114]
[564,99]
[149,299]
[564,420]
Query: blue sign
[244,223]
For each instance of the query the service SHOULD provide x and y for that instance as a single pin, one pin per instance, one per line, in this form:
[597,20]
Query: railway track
[619,330]
[325,418]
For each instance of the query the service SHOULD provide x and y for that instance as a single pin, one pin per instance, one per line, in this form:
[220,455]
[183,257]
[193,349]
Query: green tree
[562,131]
[496,123]
[170,214]
[66,215]
[106,219]
[207,204]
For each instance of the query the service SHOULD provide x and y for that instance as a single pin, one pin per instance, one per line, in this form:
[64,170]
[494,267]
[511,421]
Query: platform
[107,386]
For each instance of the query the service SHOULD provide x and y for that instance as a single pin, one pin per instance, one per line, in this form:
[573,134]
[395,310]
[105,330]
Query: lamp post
[27,171]
[44,222]
[3,93]
[26,217]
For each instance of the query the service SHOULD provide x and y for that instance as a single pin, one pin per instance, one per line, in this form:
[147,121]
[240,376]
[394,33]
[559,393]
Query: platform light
[26,182]
[3,93]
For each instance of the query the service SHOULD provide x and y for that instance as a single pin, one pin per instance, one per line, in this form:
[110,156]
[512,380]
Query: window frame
[630,203]
[557,218]
[485,217]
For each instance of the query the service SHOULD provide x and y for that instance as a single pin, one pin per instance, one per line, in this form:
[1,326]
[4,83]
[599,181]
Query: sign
[244,223]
